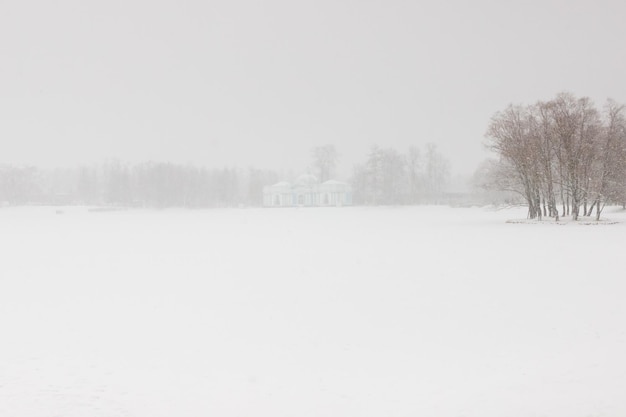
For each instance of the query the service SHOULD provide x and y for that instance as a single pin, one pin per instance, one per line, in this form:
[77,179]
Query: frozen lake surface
[310,312]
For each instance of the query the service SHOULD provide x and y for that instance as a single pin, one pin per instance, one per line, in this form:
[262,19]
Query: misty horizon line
[341,170]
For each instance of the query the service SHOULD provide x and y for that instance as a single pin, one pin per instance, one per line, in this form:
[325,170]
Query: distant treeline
[387,177]
[148,184]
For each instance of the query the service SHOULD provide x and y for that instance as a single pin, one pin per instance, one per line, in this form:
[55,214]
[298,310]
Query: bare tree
[510,137]
[325,161]
[437,172]
[578,125]
[414,166]
[607,179]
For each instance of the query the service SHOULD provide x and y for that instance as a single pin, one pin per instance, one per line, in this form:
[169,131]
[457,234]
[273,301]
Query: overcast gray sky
[239,83]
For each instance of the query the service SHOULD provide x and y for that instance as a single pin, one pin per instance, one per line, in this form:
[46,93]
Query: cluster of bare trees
[561,155]
[139,185]
[392,177]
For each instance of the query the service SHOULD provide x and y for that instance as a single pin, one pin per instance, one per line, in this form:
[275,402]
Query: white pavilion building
[308,192]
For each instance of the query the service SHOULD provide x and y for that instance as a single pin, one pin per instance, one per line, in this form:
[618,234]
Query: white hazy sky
[238,83]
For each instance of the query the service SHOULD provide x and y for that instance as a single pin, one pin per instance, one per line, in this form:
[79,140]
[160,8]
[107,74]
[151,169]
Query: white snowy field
[310,312]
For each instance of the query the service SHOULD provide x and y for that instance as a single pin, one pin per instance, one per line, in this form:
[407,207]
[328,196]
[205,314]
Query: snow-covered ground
[310,312]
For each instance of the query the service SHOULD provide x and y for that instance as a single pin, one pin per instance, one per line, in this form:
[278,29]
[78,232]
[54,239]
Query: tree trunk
[599,208]
[538,207]
[592,206]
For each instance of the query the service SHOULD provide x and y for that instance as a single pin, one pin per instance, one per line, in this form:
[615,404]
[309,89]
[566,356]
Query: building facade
[308,192]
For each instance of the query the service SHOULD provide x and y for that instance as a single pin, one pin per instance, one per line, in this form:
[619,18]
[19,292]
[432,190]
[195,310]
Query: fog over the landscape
[251,83]
[323,208]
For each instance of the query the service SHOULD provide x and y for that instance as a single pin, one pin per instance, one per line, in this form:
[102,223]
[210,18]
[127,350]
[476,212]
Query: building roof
[308,183]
